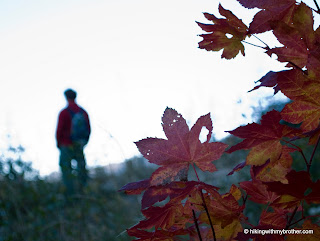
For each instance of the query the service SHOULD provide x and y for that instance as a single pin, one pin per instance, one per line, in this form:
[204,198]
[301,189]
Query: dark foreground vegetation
[35,209]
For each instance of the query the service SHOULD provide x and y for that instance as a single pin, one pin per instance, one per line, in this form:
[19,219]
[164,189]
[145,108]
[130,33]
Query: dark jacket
[63,133]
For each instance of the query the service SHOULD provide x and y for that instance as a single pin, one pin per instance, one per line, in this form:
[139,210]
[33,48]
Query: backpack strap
[72,113]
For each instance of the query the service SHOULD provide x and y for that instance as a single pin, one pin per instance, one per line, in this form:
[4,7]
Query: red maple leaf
[269,80]
[289,36]
[314,58]
[277,170]
[304,92]
[175,190]
[313,135]
[299,182]
[299,187]
[237,168]
[307,225]
[136,187]
[305,107]
[266,4]
[228,233]
[276,220]
[264,139]
[157,235]
[174,216]
[163,218]
[298,37]
[223,210]
[269,221]
[293,56]
[218,37]
[272,10]
[314,196]
[258,192]
[155,194]
[181,149]
[303,22]
[301,51]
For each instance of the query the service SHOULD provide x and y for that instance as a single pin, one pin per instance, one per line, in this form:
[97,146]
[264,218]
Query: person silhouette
[72,134]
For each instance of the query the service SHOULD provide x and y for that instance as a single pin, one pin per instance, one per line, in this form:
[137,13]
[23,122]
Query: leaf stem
[197,226]
[296,222]
[261,41]
[194,168]
[244,199]
[205,205]
[313,152]
[253,44]
[249,224]
[297,67]
[207,212]
[291,218]
[299,150]
[315,2]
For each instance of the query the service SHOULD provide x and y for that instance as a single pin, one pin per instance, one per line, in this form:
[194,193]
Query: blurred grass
[36,209]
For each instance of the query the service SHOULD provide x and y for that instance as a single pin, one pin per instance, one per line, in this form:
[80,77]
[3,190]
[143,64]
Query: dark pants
[70,175]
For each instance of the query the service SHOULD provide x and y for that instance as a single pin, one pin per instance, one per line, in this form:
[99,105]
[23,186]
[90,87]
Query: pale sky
[128,60]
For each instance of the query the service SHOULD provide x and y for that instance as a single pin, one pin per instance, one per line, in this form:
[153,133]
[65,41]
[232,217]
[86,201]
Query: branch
[205,206]
[207,212]
[197,226]
[291,218]
[296,222]
[313,152]
[244,199]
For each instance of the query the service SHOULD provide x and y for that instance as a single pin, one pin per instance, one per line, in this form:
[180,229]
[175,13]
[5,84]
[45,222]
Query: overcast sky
[128,60]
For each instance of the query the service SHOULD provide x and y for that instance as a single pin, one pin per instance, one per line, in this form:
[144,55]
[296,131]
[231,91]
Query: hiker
[72,135]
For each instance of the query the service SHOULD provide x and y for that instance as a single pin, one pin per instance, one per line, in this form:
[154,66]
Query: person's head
[70,94]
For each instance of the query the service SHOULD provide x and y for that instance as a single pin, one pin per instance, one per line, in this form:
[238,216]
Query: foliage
[35,208]
[178,208]
[12,166]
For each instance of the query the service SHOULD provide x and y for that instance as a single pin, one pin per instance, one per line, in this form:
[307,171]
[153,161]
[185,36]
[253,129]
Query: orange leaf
[264,139]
